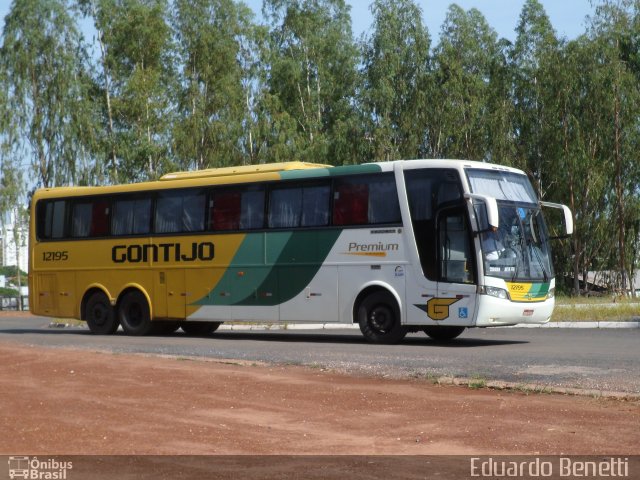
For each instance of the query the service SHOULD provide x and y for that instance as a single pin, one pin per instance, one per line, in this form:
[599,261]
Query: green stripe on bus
[539,290]
[330,172]
[272,268]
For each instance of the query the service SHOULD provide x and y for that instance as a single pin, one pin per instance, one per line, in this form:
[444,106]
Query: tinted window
[51,219]
[131,216]
[239,208]
[285,207]
[429,190]
[90,218]
[180,211]
[315,205]
[366,199]
[304,206]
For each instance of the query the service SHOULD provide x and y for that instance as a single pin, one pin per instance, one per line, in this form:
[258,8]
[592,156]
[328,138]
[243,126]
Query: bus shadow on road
[357,339]
[276,337]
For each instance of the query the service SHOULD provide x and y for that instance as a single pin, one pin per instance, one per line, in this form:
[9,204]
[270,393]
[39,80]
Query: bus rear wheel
[379,318]
[199,328]
[134,314]
[443,333]
[100,315]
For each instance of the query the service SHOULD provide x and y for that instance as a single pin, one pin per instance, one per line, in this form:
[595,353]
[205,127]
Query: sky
[567,16]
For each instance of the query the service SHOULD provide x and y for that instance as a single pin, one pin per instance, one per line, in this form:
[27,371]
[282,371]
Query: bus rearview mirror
[490,209]
[568,218]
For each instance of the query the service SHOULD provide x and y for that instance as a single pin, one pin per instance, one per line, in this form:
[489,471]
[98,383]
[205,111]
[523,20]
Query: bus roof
[242,170]
[260,173]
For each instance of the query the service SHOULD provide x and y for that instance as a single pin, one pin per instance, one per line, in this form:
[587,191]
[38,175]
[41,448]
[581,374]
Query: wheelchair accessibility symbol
[463,312]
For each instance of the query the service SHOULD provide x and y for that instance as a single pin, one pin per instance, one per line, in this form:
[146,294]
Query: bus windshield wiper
[540,262]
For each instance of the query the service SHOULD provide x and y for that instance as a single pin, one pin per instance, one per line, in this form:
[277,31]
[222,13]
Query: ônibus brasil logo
[32,468]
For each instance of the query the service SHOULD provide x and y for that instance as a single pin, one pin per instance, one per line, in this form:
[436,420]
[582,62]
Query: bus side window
[238,209]
[427,190]
[50,219]
[180,211]
[303,206]
[315,205]
[131,216]
[366,199]
[224,210]
[285,207]
[100,218]
[90,218]
[350,204]
[81,220]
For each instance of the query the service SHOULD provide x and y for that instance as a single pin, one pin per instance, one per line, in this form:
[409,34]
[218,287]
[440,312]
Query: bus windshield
[519,249]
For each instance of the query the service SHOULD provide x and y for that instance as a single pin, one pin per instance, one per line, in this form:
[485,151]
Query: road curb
[342,326]
[534,388]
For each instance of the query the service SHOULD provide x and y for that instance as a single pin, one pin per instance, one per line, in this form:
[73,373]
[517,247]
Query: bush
[8,292]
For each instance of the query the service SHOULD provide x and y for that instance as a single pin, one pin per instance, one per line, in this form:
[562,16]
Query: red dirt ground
[66,402]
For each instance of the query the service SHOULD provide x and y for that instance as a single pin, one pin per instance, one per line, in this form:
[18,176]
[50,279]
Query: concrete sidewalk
[334,326]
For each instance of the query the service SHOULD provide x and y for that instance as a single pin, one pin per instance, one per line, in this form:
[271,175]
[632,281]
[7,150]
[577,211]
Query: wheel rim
[381,318]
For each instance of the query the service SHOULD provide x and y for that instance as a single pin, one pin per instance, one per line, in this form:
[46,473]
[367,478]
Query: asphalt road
[601,359]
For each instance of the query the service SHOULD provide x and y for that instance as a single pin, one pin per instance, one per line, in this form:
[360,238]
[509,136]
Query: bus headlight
[495,292]
[551,293]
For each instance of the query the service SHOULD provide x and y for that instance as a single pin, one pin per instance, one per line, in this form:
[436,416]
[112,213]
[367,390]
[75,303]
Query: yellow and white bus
[420,245]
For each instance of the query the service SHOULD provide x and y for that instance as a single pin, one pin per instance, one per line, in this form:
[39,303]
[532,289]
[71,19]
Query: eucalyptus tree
[44,84]
[535,44]
[395,63]
[464,61]
[575,171]
[212,37]
[310,78]
[136,80]
[613,29]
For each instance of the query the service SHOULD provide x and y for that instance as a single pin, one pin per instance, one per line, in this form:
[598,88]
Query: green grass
[594,312]
[477,382]
[604,299]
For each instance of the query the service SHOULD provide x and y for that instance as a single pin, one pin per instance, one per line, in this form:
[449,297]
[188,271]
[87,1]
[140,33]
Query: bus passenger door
[456,301]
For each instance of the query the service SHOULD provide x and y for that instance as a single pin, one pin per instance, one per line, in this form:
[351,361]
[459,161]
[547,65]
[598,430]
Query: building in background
[14,240]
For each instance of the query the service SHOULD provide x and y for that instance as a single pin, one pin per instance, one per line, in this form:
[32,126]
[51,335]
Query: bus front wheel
[379,318]
[443,333]
[100,316]
[134,314]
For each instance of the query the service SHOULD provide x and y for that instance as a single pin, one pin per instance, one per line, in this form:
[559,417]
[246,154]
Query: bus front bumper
[494,312]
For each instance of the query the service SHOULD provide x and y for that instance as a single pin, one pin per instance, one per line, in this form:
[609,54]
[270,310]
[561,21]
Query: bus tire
[199,329]
[134,314]
[443,333]
[100,316]
[379,318]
